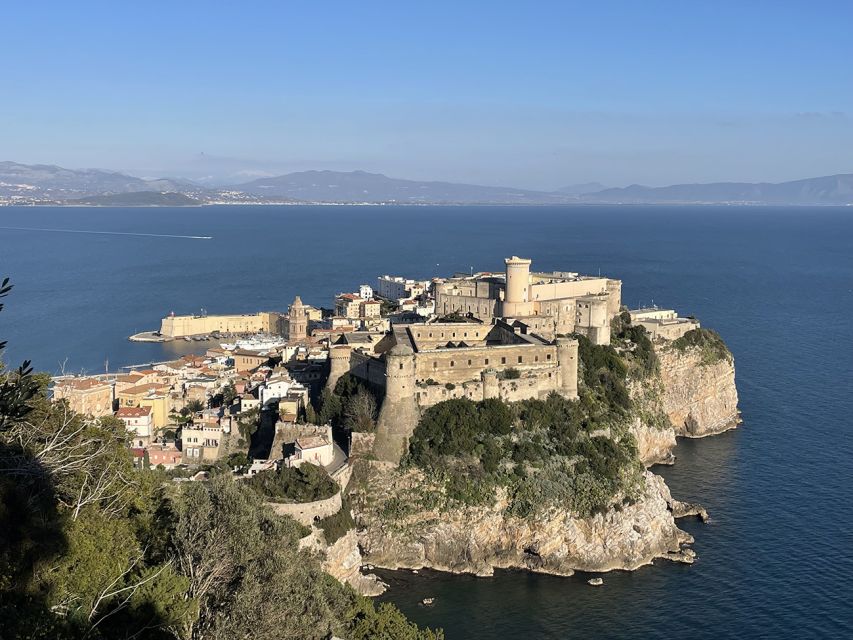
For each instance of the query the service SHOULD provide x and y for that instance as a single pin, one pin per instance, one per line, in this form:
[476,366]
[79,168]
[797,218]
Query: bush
[510,374]
[336,526]
[713,348]
[305,483]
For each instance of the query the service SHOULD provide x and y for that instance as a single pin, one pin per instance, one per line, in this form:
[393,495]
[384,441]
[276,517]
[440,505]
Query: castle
[506,340]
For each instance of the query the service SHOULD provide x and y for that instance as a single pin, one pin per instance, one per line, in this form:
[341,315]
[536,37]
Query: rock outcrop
[699,399]
[343,561]
[480,539]
[690,397]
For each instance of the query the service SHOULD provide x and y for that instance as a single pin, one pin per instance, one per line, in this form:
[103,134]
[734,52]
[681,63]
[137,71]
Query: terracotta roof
[144,388]
[133,412]
[311,442]
[82,384]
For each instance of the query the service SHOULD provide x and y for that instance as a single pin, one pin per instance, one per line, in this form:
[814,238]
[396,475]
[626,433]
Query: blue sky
[530,94]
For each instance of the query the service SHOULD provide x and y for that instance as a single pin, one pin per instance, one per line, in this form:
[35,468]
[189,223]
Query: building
[201,442]
[549,304]
[365,291]
[167,455]
[419,365]
[173,326]
[246,360]
[309,443]
[348,305]
[86,396]
[663,324]
[153,395]
[397,288]
[139,422]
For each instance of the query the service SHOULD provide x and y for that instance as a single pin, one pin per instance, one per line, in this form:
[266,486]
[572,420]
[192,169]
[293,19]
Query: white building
[139,422]
[365,291]
[317,448]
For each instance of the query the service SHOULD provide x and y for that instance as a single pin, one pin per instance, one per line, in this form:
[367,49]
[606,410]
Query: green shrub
[711,344]
[336,526]
[509,374]
[305,483]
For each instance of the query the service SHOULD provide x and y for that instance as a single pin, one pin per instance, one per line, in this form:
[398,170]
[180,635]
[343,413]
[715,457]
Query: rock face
[699,399]
[690,398]
[342,560]
[480,539]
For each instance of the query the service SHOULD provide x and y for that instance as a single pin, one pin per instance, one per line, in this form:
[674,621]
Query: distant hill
[52,182]
[581,189]
[49,184]
[836,189]
[138,199]
[360,186]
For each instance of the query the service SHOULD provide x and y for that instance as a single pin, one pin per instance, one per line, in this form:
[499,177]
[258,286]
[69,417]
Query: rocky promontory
[479,540]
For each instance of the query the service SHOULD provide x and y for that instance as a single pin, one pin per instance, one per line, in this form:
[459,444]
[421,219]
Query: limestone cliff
[690,397]
[342,560]
[699,398]
[480,539]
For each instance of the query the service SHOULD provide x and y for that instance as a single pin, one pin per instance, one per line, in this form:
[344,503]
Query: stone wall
[305,512]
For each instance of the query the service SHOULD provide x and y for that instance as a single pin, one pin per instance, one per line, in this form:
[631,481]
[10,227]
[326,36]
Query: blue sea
[776,561]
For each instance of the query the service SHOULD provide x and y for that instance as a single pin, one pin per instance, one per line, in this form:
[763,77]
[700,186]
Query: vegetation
[353,406]
[710,343]
[455,316]
[91,547]
[545,453]
[336,526]
[305,483]
[635,343]
[509,374]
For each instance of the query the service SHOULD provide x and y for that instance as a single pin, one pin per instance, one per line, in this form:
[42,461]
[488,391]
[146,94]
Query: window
[503,360]
[451,363]
[435,365]
[401,366]
[469,363]
[519,359]
[536,359]
[486,361]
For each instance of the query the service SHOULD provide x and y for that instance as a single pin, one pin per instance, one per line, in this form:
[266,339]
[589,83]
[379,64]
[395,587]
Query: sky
[528,94]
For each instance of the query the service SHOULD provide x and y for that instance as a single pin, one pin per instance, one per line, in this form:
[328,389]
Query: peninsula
[464,423]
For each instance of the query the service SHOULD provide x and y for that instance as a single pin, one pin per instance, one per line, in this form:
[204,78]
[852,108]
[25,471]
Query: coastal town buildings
[663,324]
[86,396]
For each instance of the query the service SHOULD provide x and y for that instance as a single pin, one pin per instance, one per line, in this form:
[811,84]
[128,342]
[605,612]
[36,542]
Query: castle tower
[491,389]
[399,415]
[516,301]
[297,321]
[339,362]
[567,360]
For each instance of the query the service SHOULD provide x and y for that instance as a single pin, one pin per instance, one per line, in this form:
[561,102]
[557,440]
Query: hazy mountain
[50,181]
[836,189]
[581,189]
[360,186]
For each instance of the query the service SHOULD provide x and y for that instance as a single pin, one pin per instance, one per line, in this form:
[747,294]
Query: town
[254,401]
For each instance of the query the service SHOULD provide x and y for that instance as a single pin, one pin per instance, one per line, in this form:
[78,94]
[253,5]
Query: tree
[195,406]
[360,412]
[16,387]
[229,394]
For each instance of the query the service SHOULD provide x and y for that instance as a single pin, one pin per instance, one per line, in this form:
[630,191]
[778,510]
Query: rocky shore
[689,397]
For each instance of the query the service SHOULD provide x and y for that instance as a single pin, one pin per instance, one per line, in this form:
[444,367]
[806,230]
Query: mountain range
[49,184]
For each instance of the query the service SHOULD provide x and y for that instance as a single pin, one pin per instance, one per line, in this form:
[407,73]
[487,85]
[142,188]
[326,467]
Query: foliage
[509,374]
[305,483]
[93,548]
[456,317]
[360,411]
[16,387]
[247,423]
[385,622]
[560,453]
[194,406]
[604,374]
[336,526]
[712,347]
[643,361]
[229,394]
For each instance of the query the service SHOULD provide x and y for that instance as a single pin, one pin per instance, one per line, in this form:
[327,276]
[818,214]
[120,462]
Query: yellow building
[86,396]
[155,396]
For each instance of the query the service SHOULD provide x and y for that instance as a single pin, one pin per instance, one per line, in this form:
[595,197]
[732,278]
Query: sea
[776,560]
